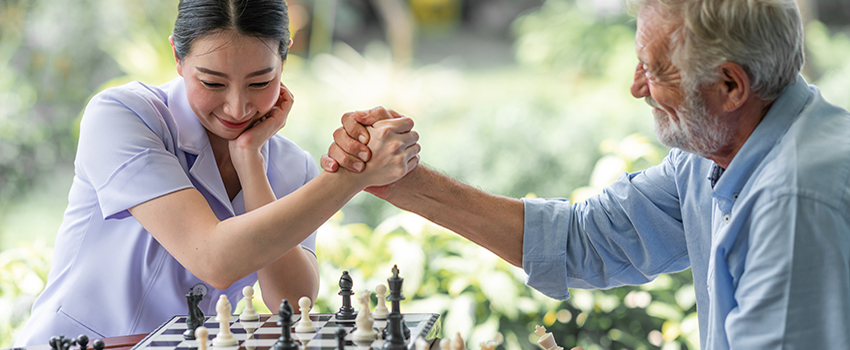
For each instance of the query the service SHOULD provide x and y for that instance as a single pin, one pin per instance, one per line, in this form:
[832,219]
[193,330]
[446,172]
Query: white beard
[696,131]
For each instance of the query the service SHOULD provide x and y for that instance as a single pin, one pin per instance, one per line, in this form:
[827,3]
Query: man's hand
[349,149]
[394,151]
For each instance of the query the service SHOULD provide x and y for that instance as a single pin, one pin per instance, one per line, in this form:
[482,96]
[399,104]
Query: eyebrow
[220,74]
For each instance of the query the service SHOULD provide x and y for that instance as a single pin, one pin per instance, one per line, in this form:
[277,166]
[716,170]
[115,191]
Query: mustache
[651,102]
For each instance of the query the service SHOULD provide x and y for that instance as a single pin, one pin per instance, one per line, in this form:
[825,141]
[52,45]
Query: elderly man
[754,196]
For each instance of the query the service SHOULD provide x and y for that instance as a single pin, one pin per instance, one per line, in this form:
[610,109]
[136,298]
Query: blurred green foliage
[560,123]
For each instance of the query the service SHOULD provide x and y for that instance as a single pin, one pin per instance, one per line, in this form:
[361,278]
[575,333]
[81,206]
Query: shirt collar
[191,135]
[767,134]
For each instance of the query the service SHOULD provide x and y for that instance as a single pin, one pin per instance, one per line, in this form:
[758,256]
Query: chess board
[264,333]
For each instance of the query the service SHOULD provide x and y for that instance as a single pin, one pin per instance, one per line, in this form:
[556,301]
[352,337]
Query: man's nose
[640,88]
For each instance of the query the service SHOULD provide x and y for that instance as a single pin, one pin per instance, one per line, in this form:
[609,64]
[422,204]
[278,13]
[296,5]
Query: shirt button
[199,289]
[735,196]
[726,218]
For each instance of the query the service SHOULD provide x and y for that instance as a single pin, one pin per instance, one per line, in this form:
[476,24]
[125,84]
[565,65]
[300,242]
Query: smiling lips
[234,125]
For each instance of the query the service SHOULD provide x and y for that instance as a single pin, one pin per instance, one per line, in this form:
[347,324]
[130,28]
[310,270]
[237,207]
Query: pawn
[421,344]
[67,342]
[492,344]
[83,340]
[98,344]
[54,343]
[305,325]
[201,334]
[381,311]
[249,313]
[457,342]
[546,341]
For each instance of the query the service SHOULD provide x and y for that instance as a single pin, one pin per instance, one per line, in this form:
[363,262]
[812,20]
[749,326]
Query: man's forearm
[491,221]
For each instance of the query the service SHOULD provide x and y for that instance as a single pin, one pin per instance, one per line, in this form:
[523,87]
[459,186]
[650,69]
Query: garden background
[520,98]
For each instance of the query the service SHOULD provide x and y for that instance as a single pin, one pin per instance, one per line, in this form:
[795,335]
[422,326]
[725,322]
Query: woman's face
[231,80]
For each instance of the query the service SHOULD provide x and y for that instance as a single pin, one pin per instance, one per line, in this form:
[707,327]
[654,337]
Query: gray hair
[765,37]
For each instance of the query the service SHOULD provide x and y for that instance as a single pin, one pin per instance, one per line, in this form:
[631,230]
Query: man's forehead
[653,34]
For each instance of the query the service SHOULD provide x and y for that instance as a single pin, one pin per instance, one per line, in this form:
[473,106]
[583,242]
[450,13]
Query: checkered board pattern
[262,334]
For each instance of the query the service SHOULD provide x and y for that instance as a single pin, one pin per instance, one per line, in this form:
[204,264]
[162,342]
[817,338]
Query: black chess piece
[54,342]
[83,340]
[340,338]
[98,344]
[346,312]
[66,342]
[395,337]
[195,316]
[285,341]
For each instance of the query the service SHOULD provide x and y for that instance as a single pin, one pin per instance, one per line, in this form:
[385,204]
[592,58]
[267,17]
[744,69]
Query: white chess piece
[381,311]
[305,325]
[492,344]
[249,313]
[421,343]
[546,341]
[201,334]
[445,344]
[364,321]
[224,312]
[457,342]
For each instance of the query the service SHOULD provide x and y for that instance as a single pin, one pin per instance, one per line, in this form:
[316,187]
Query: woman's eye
[261,85]
[211,85]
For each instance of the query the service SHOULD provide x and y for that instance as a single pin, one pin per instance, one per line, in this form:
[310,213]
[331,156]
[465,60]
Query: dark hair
[257,18]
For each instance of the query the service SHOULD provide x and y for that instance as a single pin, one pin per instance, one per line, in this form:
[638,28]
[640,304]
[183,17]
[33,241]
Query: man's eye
[261,85]
[211,85]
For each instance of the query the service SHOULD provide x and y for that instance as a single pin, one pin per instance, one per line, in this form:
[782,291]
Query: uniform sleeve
[629,234]
[126,151]
[794,292]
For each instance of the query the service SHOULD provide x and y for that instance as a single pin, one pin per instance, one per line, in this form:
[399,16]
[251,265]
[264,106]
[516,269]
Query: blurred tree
[48,68]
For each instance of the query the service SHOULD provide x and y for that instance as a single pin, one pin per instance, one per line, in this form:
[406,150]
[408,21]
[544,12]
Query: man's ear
[734,86]
[290,43]
[176,59]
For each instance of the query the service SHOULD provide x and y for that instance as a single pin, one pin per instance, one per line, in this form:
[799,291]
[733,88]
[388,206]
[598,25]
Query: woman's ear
[176,59]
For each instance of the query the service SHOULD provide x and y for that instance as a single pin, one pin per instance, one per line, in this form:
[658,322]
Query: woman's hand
[248,144]
[395,151]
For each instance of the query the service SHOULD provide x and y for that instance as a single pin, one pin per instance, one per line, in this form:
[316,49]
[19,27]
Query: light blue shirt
[109,276]
[769,245]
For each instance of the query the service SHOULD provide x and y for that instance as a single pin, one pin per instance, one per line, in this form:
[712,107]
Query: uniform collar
[191,135]
[766,135]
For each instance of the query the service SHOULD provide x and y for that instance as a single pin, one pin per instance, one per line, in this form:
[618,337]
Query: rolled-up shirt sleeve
[126,151]
[629,234]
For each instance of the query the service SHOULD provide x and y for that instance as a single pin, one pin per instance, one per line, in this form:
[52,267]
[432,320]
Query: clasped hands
[360,141]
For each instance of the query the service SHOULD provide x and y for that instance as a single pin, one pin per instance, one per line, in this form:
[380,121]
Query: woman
[187,186]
